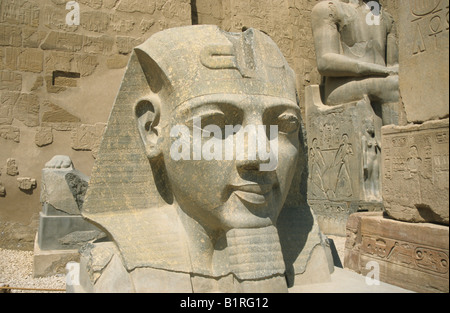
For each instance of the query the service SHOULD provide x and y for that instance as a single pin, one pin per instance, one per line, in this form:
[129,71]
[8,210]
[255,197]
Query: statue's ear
[147,112]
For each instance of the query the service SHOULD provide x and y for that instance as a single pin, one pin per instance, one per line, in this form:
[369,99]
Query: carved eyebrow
[202,112]
[270,103]
[283,107]
[207,104]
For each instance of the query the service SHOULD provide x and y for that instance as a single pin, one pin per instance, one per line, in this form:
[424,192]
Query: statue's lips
[254,193]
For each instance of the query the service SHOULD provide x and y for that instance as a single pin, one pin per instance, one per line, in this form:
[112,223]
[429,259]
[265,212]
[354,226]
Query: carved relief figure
[371,162]
[357,59]
[318,166]
[413,163]
[343,183]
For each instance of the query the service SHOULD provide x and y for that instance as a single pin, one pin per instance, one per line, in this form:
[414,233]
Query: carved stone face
[232,192]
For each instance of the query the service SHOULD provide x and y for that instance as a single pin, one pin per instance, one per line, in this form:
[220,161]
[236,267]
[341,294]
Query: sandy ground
[16,270]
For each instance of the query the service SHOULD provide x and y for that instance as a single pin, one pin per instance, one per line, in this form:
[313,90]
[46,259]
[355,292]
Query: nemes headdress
[201,60]
[180,64]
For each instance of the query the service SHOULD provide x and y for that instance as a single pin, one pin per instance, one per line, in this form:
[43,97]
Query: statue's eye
[288,123]
[214,119]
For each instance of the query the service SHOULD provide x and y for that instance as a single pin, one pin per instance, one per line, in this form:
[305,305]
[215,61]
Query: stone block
[32,37]
[2,190]
[121,24]
[10,36]
[63,188]
[10,81]
[38,83]
[126,44]
[416,171]
[19,12]
[141,6]
[85,64]
[27,109]
[99,45]
[58,118]
[10,133]
[96,21]
[65,232]
[2,53]
[148,280]
[146,24]
[55,18]
[61,226]
[95,4]
[44,136]
[52,262]
[411,256]
[26,183]
[11,167]
[31,60]
[424,59]
[88,137]
[58,61]
[62,41]
[7,102]
[52,88]
[117,61]
[344,159]
[10,57]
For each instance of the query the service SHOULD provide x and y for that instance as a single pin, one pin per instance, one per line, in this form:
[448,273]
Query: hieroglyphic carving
[88,137]
[330,153]
[424,52]
[44,136]
[410,255]
[10,133]
[7,102]
[406,254]
[27,109]
[10,36]
[371,162]
[429,19]
[142,6]
[19,12]
[11,167]
[10,81]
[415,172]
[26,183]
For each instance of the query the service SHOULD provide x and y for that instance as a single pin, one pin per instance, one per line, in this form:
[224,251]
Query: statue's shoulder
[106,272]
[387,18]
[334,10]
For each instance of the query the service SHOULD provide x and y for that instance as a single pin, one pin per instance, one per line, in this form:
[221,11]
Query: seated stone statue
[182,222]
[357,55]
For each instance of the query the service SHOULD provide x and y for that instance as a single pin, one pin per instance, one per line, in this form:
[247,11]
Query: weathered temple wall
[58,82]
[57,86]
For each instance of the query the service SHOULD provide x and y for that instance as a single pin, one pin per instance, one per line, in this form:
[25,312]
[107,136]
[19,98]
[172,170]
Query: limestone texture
[262,237]
[415,172]
[409,255]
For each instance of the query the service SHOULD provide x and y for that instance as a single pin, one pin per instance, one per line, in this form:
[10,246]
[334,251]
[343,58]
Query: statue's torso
[359,39]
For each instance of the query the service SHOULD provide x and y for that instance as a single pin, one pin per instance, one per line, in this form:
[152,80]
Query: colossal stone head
[200,168]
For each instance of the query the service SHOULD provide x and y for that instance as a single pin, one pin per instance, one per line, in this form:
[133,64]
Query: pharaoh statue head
[200,172]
